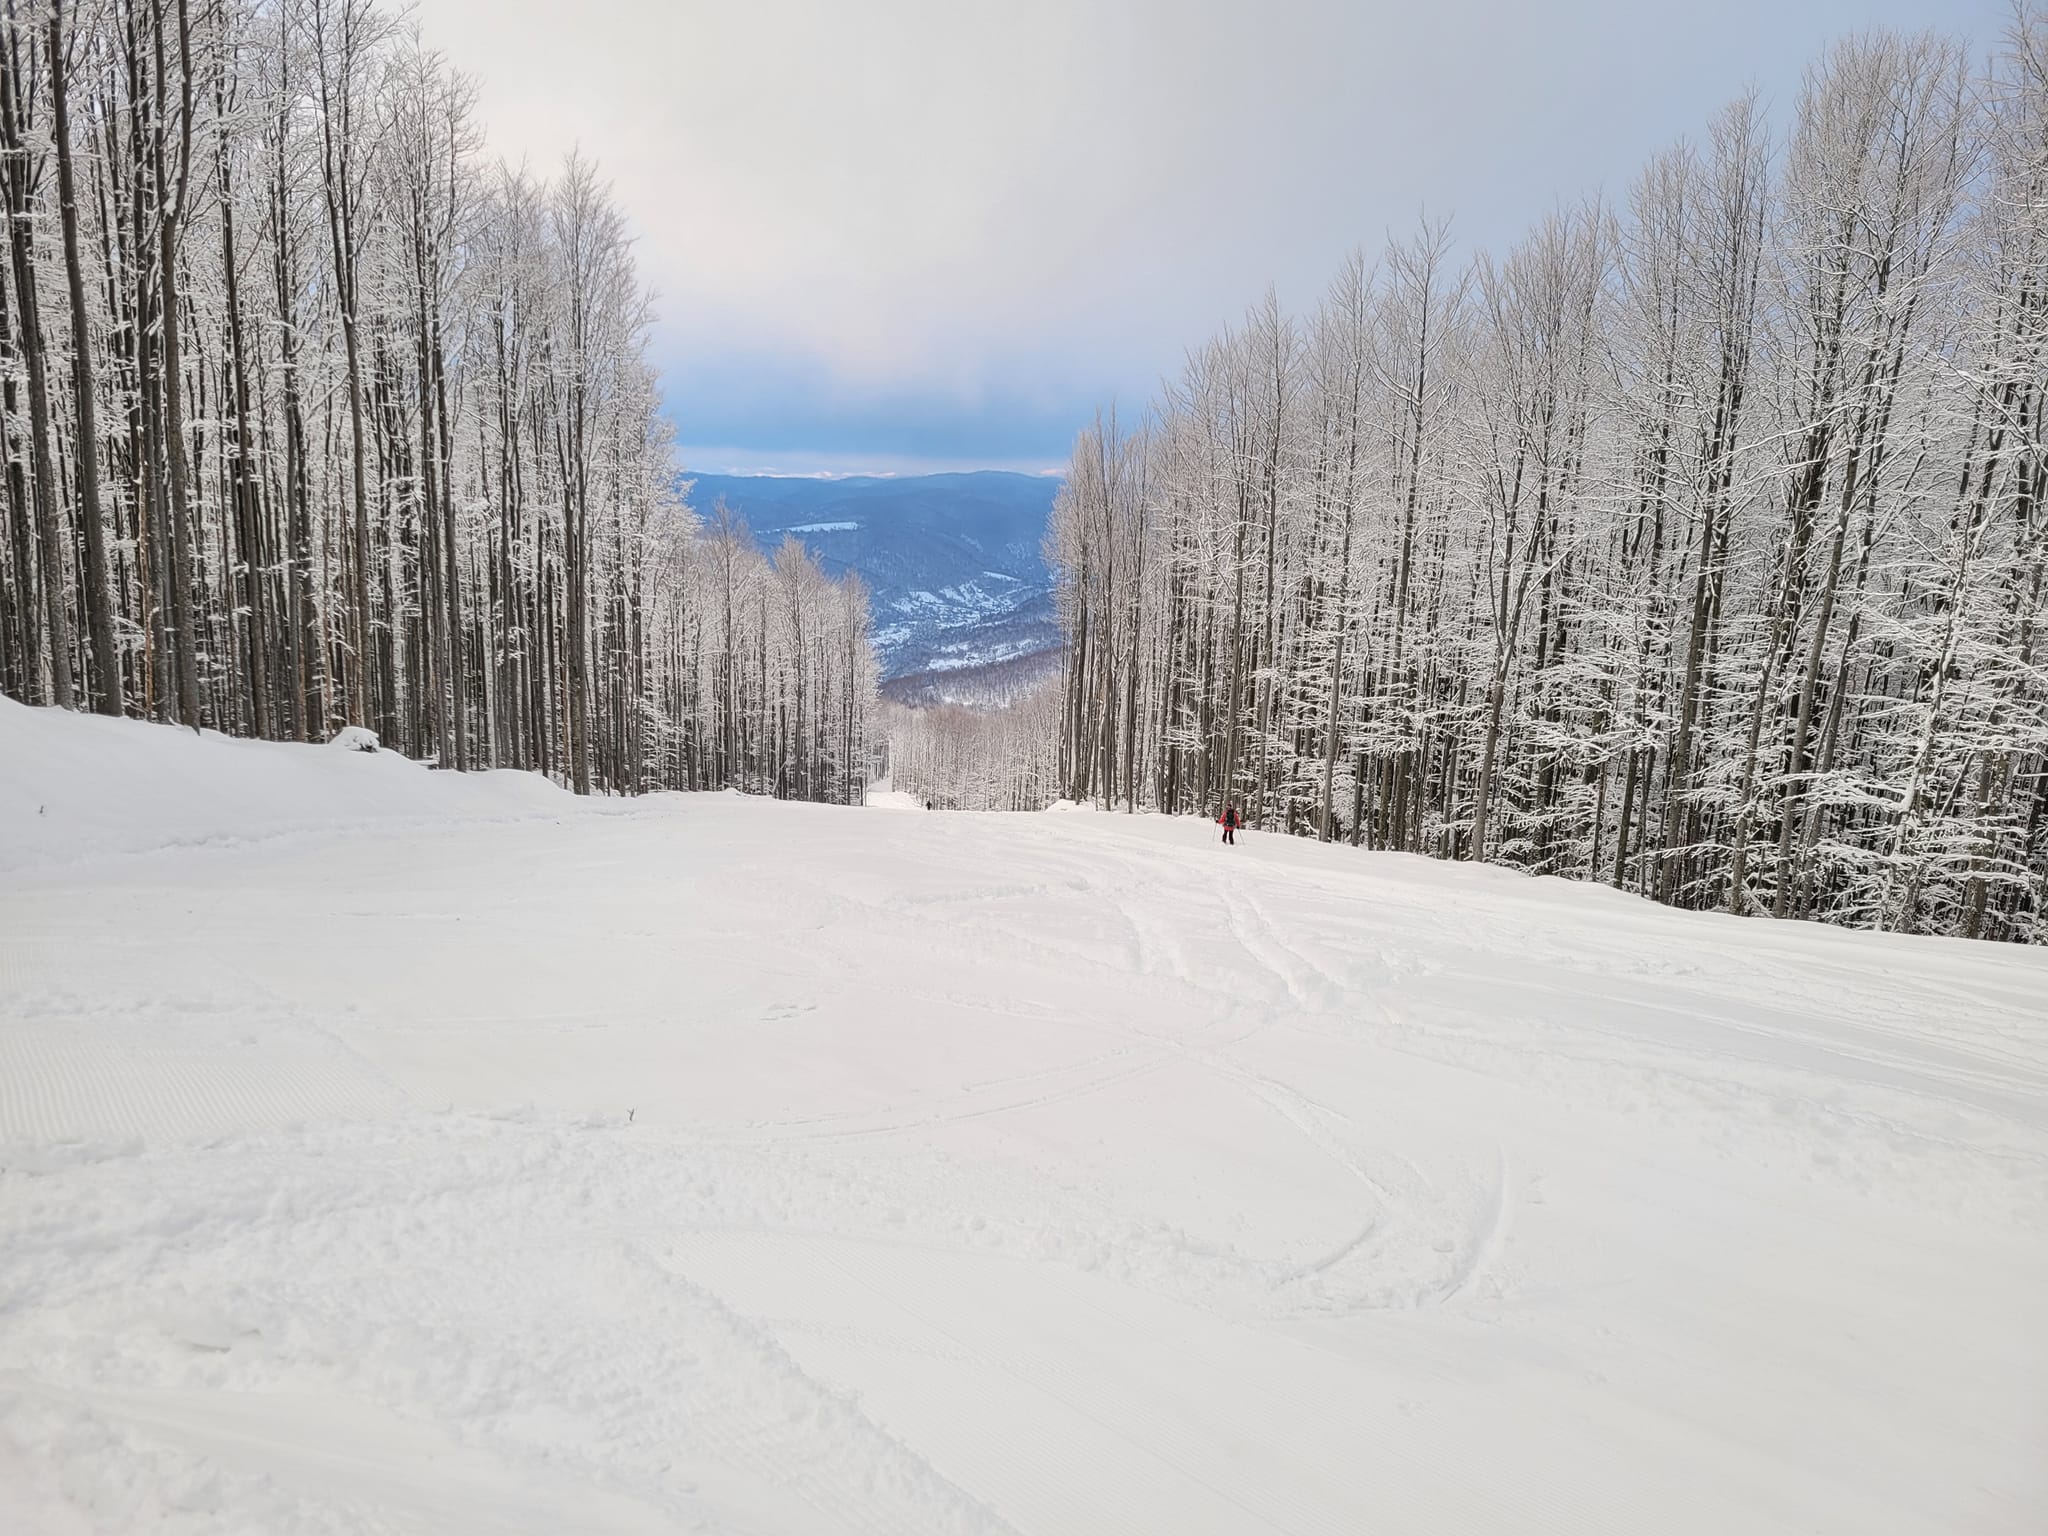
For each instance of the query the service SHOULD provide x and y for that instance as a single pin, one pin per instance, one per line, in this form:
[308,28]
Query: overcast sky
[902,234]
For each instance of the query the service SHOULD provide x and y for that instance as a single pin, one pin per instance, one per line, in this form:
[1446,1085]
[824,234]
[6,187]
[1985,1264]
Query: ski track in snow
[392,1151]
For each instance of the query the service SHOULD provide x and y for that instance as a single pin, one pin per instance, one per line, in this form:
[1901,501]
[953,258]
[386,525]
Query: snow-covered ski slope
[383,1150]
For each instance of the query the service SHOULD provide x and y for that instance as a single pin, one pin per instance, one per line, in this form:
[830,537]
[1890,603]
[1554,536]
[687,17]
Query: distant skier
[1230,824]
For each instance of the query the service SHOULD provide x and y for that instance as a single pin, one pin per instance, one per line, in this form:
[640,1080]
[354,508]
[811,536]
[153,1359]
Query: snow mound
[82,787]
[355,738]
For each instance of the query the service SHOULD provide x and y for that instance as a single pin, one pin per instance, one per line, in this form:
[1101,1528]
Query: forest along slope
[428,1152]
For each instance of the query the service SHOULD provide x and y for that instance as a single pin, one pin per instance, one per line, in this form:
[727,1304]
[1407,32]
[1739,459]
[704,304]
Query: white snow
[883,795]
[985,653]
[821,528]
[355,738]
[405,1151]
[74,787]
[965,604]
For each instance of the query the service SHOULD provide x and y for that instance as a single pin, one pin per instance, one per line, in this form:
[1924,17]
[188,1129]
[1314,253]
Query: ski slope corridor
[385,1150]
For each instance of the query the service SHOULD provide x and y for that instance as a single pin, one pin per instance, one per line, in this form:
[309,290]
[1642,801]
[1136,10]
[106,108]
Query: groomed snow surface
[386,1150]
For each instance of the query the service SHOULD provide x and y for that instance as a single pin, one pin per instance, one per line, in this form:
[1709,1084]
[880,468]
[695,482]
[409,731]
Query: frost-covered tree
[313,415]
[955,758]
[1694,545]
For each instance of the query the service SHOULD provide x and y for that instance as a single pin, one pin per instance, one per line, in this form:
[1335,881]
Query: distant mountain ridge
[954,561]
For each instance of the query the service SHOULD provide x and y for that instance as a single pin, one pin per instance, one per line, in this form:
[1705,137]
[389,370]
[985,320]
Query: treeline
[774,672]
[314,415]
[1695,545]
[955,758]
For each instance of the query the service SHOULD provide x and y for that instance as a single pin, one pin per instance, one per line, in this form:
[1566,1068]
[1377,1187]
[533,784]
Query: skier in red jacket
[1230,824]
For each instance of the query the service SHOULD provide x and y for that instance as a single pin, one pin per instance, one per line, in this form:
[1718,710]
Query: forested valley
[1695,544]
[315,415]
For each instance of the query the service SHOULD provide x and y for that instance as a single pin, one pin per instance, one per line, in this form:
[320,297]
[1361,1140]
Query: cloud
[915,210]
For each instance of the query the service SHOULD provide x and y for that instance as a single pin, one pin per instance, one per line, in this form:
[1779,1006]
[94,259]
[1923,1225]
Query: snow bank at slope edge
[79,787]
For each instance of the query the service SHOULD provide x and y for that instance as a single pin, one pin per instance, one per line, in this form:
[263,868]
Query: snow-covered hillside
[954,563]
[391,1150]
